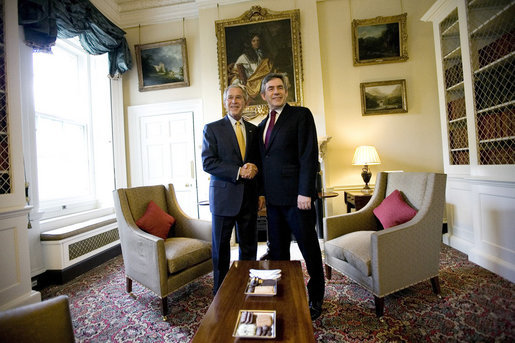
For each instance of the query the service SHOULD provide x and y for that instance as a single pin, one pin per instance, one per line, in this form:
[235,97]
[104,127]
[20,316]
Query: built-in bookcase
[475,60]
[5,178]
[479,39]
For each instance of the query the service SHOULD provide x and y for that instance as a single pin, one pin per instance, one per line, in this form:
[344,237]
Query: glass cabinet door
[454,90]
[5,178]
[491,26]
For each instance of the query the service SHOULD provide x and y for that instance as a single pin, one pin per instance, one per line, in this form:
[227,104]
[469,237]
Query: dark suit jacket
[290,163]
[221,158]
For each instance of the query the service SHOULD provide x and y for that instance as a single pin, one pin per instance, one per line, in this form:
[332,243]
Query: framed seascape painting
[379,40]
[383,97]
[259,42]
[162,65]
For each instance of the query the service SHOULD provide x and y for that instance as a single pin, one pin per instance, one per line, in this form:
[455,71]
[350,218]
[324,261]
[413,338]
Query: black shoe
[315,309]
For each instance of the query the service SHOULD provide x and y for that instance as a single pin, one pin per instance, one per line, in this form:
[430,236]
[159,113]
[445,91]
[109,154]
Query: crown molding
[110,9]
[130,13]
[213,3]
[438,9]
[157,15]
[134,5]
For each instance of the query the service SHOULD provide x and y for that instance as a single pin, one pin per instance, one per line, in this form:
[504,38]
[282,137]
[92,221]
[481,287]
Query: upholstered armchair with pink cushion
[161,262]
[386,260]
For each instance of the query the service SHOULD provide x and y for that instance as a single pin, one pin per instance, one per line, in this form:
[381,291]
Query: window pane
[57,84]
[63,167]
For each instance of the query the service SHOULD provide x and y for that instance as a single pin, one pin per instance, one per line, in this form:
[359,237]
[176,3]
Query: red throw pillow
[156,221]
[394,210]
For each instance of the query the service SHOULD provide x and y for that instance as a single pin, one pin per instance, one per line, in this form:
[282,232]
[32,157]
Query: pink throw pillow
[156,221]
[394,210]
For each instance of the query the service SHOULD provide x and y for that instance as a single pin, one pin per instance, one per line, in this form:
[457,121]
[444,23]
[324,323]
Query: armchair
[162,266]
[386,261]
[42,322]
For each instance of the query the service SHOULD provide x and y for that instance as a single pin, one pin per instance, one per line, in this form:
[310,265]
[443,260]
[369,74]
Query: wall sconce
[366,155]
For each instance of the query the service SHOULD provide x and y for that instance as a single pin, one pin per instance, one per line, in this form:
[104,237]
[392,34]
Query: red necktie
[270,127]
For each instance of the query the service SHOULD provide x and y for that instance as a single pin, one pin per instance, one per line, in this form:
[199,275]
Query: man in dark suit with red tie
[230,154]
[289,165]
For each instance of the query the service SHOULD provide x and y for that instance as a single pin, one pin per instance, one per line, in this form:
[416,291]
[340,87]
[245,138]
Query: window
[73,130]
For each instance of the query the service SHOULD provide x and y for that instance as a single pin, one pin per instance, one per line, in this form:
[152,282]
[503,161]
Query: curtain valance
[45,20]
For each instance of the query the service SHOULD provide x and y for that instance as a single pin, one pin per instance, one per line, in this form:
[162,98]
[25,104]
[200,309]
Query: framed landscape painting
[379,40]
[258,42]
[383,97]
[162,65]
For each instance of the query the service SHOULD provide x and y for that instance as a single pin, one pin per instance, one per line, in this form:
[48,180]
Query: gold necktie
[241,140]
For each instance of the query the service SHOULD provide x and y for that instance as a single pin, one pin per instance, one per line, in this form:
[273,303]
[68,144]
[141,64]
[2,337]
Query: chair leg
[328,272]
[128,284]
[379,306]
[435,282]
[164,307]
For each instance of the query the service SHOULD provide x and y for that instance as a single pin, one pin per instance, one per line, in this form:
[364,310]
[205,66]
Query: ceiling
[130,13]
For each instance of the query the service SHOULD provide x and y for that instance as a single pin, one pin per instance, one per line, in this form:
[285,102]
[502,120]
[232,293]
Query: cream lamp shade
[366,155]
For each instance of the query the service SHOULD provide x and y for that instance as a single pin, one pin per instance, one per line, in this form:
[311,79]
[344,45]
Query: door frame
[134,113]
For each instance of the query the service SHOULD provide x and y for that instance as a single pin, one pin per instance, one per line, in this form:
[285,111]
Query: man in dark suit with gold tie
[230,154]
[289,165]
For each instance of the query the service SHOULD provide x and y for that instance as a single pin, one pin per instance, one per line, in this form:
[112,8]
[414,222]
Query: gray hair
[243,90]
[271,76]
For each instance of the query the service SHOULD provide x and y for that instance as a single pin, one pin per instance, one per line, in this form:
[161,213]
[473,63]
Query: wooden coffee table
[293,321]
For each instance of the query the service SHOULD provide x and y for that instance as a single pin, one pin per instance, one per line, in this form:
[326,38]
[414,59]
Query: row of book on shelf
[456,109]
[497,153]
[487,156]
[495,87]
[492,125]
[458,137]
[460,157]
[486,55]
[496,49]
[4,153]
[453,74]
[496,124]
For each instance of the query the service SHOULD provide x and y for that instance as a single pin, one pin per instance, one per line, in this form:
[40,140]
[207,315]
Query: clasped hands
[248,171]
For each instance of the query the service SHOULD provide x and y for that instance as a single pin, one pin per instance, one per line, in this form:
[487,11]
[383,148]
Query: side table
[356,199]
[320,210]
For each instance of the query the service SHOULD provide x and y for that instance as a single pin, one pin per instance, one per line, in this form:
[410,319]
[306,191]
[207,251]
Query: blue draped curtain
[45,20]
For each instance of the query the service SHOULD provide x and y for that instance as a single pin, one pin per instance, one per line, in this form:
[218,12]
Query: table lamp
[366,155]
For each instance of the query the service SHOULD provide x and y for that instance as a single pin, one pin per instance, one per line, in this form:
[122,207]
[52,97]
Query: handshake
[248,171]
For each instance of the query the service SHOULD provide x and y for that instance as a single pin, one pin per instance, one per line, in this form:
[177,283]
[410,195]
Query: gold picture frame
[162,65]
[278,49]
[380,40]
[383,97]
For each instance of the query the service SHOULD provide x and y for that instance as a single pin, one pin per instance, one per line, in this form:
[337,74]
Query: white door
[168,155]
[165,141]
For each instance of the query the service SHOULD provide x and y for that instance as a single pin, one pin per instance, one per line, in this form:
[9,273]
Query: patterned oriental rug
[475,306]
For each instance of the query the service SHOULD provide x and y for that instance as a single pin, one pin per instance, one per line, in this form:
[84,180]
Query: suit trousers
[282,222]
[246,231]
